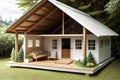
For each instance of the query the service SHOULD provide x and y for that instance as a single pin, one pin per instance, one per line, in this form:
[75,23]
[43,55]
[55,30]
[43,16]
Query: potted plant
[28,58]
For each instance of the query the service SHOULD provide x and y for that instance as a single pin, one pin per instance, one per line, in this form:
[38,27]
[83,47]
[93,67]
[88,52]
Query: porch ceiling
[41,18]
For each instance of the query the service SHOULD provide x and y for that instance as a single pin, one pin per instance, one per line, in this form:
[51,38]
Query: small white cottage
[56,27]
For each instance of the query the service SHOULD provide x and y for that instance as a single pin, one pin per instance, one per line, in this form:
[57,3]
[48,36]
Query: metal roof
[45,18]
[85,20]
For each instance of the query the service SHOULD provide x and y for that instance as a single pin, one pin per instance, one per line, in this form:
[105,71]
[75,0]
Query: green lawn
[111,72]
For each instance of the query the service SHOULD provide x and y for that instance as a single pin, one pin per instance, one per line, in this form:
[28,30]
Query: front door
[65,47]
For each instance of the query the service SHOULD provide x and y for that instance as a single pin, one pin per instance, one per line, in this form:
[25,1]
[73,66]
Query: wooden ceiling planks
[41,20]
[29,13]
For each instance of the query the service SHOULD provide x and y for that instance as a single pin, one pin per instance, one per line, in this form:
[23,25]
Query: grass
[110,72]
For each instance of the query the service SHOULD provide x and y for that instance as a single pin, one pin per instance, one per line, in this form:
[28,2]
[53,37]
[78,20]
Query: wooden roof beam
[39,21]
[30,21]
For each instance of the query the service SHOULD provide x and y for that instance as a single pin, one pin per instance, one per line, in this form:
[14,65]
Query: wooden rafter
[32,27]
[30,21]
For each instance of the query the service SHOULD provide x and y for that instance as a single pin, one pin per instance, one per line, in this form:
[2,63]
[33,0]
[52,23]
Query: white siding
[100,53]
[47,41]
[105,51]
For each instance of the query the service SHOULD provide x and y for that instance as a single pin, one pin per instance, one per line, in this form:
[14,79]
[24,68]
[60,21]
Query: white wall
[75,54]
[47,45]
[105,51]
[100,53]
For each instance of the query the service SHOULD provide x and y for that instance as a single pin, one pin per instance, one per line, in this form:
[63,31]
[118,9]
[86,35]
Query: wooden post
[62,23]
[16,43]
[85,41]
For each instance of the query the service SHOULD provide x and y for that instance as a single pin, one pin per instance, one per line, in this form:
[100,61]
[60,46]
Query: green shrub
[90,58]
[20,56]
[13,56]
[89,61]
[84,62]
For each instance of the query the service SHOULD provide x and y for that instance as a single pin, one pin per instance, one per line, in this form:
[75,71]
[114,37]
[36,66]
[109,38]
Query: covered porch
[46,20]
[51,65]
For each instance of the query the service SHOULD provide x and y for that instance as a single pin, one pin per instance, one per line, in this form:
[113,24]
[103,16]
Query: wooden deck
[52,65]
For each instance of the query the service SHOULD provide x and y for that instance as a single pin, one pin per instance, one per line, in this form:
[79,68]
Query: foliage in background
[4,21]
[113,8]
[20,56]
[25,5]
[7,42]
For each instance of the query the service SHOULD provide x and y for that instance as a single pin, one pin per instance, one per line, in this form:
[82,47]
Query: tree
[90,58]
[25,5]
[88,6]
[20,55]
[13,56]
[113,7]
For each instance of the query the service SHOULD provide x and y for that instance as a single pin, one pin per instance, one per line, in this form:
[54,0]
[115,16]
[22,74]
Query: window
[37,43]
[54,44]
[78,44]
[30,43]
[91,44]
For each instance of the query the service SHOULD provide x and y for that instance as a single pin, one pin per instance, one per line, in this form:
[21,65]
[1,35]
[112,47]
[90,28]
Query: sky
[9,10]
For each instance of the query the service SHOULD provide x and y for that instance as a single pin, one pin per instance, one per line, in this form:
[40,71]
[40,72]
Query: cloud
[8,9]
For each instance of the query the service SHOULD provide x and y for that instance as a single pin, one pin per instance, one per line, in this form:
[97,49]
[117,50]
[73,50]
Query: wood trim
[42,20]
[63,23]
[85,41]
[58,35]
[16,43]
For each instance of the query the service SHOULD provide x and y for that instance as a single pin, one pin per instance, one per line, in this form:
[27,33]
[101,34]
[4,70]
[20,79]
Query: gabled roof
[46,15]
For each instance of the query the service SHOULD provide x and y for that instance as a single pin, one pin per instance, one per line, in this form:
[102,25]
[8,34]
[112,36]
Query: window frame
[37,44]
[30,43]
[92,44]
[54,43]
[78,44]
